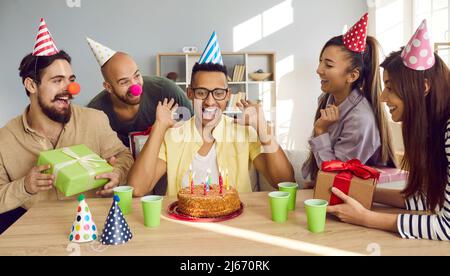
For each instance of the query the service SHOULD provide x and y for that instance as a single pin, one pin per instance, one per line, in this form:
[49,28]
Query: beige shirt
[20,147]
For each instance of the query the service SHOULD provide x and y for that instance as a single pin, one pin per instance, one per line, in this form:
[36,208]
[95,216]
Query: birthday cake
[213,204]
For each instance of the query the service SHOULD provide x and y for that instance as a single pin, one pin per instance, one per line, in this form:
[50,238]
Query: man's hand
[108,188]
[164,113]
[113,177]
[36,181]
[252,115]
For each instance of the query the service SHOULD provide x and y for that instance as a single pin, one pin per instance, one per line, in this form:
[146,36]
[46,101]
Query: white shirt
[200,165]
[429,226]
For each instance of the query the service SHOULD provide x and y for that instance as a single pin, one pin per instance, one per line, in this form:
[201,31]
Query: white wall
[295,29]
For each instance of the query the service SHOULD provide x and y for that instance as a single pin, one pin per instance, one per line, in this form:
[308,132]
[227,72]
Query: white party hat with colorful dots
[83,228]
[116,230]
[101,52]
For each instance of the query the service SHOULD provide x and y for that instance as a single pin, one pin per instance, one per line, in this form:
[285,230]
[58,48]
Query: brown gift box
[360,189]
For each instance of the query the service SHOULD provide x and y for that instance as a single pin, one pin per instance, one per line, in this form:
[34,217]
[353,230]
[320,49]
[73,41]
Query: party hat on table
[356,38]
[418,53]
[116,230]
[83,228]
[212,53]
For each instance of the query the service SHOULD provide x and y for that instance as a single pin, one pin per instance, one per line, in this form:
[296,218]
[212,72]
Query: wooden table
[45,228]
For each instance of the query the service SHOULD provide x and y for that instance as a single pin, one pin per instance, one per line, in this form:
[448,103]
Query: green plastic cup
[292,189]
[279,202]
[316,213]
[152,205]
[125,193]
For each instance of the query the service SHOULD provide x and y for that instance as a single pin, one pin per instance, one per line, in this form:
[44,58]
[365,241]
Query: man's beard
[52,113]
[124,99]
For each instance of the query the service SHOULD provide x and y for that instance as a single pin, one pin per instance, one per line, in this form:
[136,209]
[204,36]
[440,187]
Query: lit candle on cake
[227,183]
[208,180]
[192,183]
[220,181]
[190,174]
[204,189]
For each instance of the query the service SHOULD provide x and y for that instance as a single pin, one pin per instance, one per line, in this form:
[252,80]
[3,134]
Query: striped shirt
[431,227]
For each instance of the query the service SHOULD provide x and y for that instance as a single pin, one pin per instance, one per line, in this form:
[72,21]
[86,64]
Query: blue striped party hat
[212,52]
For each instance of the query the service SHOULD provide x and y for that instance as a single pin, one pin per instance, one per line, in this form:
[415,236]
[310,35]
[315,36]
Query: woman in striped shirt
[420,99]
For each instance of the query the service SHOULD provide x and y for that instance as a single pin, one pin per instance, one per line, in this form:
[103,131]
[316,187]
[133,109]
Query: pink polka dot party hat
[418,53]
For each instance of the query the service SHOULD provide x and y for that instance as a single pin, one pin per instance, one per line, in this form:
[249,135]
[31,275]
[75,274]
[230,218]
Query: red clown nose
[74,88]
[136,90]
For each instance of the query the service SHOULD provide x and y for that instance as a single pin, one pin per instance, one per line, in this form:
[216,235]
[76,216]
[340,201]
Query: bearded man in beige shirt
[51,122]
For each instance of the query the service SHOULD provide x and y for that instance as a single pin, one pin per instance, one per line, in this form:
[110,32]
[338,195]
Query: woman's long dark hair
[423,125]
[369,83]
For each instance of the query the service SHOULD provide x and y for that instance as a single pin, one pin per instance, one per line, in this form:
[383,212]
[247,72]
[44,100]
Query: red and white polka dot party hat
[83,228]
[418,53]
[355,39]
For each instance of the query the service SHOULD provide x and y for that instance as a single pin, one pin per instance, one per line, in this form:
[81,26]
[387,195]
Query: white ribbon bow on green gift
[88,162]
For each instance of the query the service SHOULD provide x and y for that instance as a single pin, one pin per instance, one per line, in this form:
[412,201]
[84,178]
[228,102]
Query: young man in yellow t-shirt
[210,142]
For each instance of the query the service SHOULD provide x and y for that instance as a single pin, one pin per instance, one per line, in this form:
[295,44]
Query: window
[396,21]
[436,12]
[390,24]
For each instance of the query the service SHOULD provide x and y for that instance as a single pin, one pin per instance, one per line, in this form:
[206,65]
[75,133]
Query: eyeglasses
[219,94]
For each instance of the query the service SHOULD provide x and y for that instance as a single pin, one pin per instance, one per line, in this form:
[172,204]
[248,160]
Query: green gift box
[75,169]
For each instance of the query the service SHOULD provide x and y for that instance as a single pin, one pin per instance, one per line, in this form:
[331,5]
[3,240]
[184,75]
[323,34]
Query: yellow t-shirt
[236,147]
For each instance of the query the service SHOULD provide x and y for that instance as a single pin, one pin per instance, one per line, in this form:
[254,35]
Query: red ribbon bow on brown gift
[346,171]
